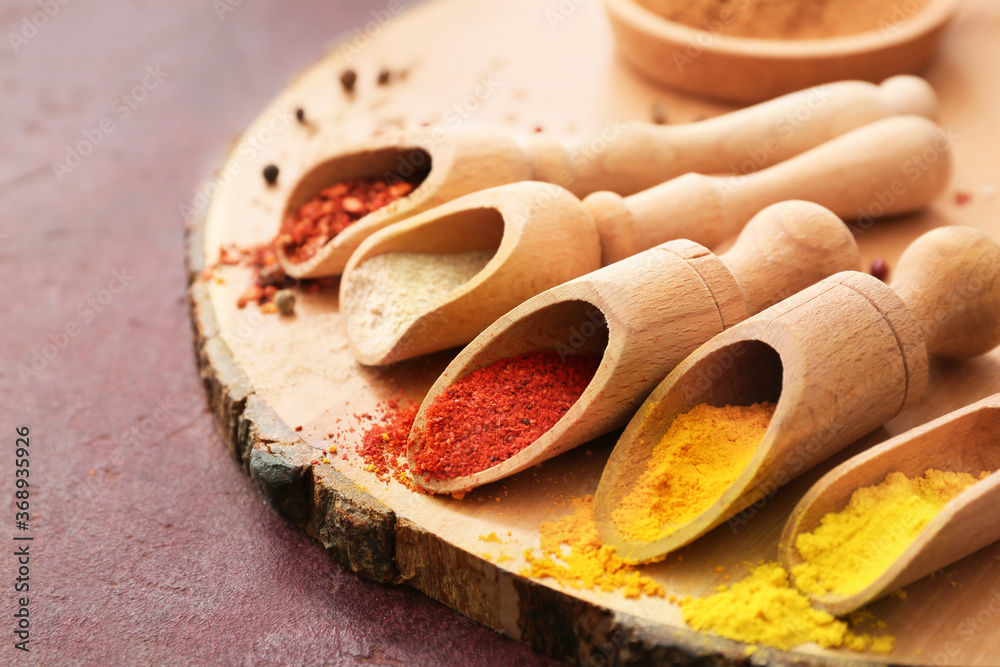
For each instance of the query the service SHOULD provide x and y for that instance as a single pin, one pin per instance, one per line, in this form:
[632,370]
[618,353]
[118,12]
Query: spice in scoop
[332,211]
[850,549]
[496,411]
[697,459]
[387,293]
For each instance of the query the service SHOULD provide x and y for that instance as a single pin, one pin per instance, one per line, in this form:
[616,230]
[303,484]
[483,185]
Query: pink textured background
[155,547]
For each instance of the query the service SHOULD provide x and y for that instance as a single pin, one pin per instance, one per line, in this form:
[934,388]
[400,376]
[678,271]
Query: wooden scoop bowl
[625,158]
[963,441]
[644,315]
[544,236]
[840,358]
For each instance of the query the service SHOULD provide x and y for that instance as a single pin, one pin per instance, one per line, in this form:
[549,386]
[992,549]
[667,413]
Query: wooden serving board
[525,64]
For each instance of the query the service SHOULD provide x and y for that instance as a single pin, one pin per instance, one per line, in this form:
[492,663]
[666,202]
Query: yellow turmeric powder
[698,458]
[764,609]
[586,563]
[851,548]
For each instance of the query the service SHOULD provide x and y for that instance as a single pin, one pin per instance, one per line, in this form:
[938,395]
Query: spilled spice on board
[383,445]
[573,555]
[267,277]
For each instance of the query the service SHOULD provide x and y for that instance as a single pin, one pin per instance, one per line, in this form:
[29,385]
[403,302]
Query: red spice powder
[332,211]
[383,445]
[496,411]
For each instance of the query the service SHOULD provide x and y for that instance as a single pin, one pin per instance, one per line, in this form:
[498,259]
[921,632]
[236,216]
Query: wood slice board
[521,65]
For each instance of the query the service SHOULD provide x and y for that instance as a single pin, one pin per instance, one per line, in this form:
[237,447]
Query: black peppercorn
[383,77]
[300,115]
[271,174]
[347,80]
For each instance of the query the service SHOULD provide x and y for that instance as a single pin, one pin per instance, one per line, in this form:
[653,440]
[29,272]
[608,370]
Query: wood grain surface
[526,66]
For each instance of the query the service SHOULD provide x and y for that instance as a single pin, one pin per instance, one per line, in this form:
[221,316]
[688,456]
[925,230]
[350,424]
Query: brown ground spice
[786,19]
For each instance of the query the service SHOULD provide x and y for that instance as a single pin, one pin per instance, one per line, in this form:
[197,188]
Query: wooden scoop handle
[949,278]
[786,248]
[628,157]
[892,166]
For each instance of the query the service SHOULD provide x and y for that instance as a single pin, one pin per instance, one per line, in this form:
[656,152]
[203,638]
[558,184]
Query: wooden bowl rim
[933,15]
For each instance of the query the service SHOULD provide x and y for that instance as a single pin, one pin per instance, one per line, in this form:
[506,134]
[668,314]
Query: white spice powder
[389,292]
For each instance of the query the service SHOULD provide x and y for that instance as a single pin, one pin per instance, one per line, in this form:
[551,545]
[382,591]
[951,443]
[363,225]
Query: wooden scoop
[962,441]
[544,236]
[625,158]
[644,315]
[840,358]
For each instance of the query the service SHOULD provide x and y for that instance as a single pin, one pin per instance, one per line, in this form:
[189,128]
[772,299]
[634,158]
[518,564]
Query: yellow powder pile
[764,609]
[787,19]
[698,458]
[573,555]
[851,548]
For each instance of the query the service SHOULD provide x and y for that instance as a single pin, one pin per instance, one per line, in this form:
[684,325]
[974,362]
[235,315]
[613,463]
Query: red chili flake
[496,411]
[962,198]
[383,446]
[334,209]
[538,128]
[880,269]
[298,428]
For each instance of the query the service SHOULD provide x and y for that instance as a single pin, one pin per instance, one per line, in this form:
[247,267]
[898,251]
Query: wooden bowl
[747,70]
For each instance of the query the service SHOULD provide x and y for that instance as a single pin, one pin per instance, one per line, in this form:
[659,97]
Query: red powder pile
[498,410]
[383,446]
[332,211]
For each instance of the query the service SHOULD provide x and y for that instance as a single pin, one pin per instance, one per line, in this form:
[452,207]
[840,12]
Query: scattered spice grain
[271,174]
[347,80]
[384,76]
[284,301]
[496,411]
[300,115]
[697,459]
